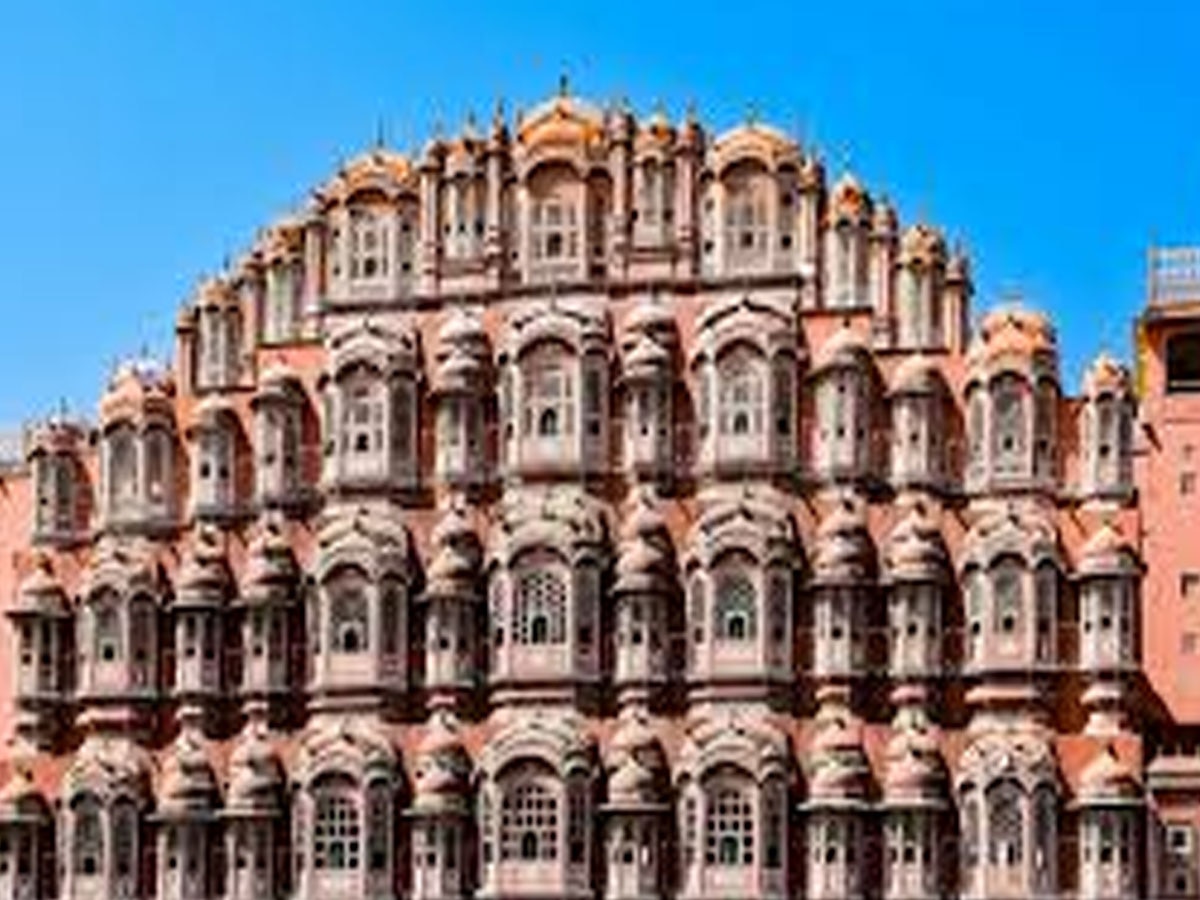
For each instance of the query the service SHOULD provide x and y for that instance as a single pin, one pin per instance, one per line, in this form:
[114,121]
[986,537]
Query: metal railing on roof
[1173,274]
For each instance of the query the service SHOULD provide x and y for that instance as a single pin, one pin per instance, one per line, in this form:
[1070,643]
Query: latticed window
[540,609]
[124,839]
[348,619]
[122,469]
[1005,833]
[734,607]
[1006,596]
[549,407]
[729,828]
[87,850]
[529,823]
[740,413]
[368,246]
[108,631]
[747,236]
[773,818]
[362,421]
[379,832]
[337,837]
[554,230]
[1008,425]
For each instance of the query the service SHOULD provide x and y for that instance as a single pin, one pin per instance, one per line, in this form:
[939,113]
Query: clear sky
[143,141]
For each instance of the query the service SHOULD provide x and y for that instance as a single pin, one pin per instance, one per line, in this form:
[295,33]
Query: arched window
[108,629]
[348,615]
[740,409]
[973,589]
[122,470]
[734,609]
[87,850]
[1008,425]
[337,831]
[529,822]
[747,235]
[975,429]
[1045,841]
[729,827]
[1006,846]
[1007,576]
[362,423]
[970,830]
[540,608]
[368,245]
[548,394]
[124,823]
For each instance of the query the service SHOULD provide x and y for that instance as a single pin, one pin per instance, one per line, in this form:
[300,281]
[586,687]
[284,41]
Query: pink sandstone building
[600,507]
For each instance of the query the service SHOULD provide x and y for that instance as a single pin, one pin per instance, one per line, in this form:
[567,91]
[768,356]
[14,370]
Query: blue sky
[141,142]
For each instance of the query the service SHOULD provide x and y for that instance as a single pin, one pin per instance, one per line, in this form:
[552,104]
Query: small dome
[922,243]
[442,766]
[215,292]
[636,763]
[844,349]
[915,772]
[41,593]
[647,358]
[277,378]
[1106,376]
[848,200]
[917,374]
[21,800]
[55,434]
[645,560]
[915,548]
[457,556]
[204,576]
[843,548]
[189,784]
[1107,779]
[271,567]
[1107,552]
[1013,331]
[141,388]
[840,770]
[255,773]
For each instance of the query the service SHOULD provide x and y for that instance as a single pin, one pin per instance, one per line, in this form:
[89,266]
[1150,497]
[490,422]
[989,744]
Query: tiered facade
[593,507]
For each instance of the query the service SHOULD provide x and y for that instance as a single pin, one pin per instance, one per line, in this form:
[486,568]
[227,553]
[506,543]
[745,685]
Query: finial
[751,113]
[470,125]
[380,139]
[692,116]
[498,113]
[564,86]
[844,156]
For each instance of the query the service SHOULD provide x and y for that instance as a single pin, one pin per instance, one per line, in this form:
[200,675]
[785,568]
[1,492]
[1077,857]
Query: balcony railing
[1173,275]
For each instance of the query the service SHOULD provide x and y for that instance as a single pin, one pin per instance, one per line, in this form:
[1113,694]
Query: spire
[564,84]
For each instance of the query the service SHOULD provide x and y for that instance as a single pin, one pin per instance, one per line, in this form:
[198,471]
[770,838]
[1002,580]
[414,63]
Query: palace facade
[598,507]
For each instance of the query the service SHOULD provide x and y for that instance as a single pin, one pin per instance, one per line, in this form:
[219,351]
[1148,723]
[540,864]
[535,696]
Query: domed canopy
[848,202]
[922,244]
[645,561]
[1013,335]
[189,786]
[379,170]
[255,775]
[840,774]
[204,578]
[271,569]
[41,593]
[845,349]
[1107,553]
[916,773]
[21,800]
[55,435]
[141,392]
[1106,375]
[917,374]
[844,554]
[915,549]
[441,782]
[457,557]
[1108,781]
